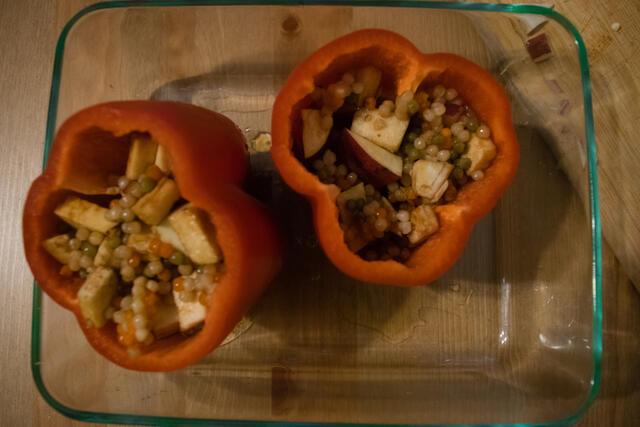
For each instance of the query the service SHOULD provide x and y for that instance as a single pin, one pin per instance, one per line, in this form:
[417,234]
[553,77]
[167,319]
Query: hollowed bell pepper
[209,162]
[405,68]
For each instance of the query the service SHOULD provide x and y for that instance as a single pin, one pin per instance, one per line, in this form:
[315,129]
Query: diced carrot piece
[154,246]
[448,142]
[202,298]
[178,284]
[166,249]
[164,275]
[66,271]
[135,259]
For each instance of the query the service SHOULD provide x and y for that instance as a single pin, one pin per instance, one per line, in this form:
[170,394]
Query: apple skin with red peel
[378,166]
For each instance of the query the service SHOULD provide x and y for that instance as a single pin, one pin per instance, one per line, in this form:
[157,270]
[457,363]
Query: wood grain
[27,35]
[615,90]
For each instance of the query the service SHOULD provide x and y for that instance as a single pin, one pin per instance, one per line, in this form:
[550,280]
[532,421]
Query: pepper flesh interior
[149,260]
[393,159]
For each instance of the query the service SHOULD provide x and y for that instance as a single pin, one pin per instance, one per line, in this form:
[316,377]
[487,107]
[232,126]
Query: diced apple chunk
[314,135]
[155,205]
[167,234]
[424,223]
[162,159]
[196,234]
[142,154]
[481,152]
[165,320]
[95,295]
[58,247]
[190,314]
[379,166]
[387,132]
[139,242]
[429,179]
[103,256]
[391,211]
[360,242]
[354,193]
[83,214]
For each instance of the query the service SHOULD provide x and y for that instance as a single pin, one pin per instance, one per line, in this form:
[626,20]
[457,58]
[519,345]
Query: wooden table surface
[28,31]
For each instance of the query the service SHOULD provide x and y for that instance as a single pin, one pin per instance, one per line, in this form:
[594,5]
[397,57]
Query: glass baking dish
[511,335]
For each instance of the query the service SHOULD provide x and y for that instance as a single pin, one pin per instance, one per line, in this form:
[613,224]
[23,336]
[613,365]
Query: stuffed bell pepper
[399,152]
[139,225]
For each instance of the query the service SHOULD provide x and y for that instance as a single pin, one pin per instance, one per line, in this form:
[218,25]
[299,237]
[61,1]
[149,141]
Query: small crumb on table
[539,48]
[262,142]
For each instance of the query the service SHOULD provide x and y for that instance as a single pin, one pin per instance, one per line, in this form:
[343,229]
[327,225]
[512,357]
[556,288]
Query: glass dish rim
[596,257]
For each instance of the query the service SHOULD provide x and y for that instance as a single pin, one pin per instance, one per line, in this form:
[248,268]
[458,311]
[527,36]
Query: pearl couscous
[148,260]
[394,158]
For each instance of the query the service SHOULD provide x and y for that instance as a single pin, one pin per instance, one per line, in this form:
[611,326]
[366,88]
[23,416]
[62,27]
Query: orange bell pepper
[209,162]
[406,68]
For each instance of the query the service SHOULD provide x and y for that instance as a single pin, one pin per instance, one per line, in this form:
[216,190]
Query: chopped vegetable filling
[148,260]
[394,160]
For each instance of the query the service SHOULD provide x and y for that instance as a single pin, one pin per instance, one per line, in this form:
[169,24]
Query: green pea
[407,148]
[464,163]
[459,147]
[146,183]
[113,241]
[454,155]
[352,99]
[88,249]
[176,258]
[411,136]
[328,180]
[428,137]
[413,107]
[438,139]
[406,180]
[360,203]
[472,124]
[458,173]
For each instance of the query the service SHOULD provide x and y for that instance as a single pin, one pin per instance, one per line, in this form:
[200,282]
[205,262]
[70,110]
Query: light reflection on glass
[505,301]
